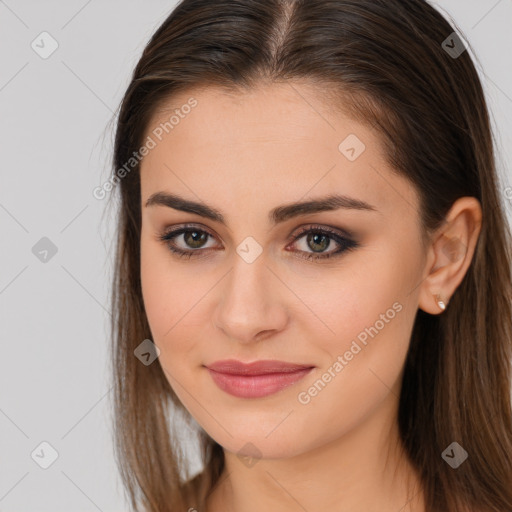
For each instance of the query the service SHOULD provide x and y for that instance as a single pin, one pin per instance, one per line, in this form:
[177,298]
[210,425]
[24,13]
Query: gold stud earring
[440,303]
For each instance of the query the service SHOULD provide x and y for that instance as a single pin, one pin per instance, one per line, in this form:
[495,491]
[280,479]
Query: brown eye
[318,239]
[195,239]
[318,242]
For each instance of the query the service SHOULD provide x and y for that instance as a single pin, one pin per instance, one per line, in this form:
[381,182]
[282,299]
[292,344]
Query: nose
[252,305]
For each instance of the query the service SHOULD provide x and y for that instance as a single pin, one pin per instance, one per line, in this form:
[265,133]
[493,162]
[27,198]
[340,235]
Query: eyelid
[185,227]
[343,233]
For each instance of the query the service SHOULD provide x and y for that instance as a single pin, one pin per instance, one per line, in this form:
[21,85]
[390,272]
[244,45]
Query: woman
[313,264]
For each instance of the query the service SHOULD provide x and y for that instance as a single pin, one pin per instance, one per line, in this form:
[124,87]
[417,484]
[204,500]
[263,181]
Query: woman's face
[248,291]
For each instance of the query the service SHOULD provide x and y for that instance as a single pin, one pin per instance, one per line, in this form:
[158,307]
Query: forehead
[270,144]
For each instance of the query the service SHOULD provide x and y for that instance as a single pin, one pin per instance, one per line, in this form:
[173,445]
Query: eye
[192,237]
[316,238]
[319,238]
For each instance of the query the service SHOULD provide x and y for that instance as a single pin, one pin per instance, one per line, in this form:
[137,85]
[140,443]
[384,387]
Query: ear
[450,253]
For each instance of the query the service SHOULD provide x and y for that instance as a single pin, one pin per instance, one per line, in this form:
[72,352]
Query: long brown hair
[390,63]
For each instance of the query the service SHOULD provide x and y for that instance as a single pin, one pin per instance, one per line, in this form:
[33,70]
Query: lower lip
[256,386]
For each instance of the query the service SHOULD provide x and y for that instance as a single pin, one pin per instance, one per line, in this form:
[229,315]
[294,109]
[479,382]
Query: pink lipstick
[257,379]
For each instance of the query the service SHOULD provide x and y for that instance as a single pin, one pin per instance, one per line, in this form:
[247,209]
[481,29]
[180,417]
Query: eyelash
[347,244]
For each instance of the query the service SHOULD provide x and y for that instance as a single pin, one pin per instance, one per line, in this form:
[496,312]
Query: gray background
[56,145]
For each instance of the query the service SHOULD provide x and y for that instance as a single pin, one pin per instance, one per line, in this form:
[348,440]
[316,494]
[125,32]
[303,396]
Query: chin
[260,435]
[256,447]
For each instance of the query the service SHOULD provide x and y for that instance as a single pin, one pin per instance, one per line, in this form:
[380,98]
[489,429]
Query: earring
[440,303]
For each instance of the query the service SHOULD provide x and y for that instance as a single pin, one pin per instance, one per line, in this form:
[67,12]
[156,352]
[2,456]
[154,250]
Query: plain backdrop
[55,270]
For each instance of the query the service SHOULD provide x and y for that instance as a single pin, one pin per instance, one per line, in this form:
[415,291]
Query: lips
[256,379]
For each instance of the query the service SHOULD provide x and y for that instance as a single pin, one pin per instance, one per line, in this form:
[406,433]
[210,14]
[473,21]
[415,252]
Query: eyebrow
[276,215]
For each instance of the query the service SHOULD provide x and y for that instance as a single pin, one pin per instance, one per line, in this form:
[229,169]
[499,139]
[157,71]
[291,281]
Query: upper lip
[234,367]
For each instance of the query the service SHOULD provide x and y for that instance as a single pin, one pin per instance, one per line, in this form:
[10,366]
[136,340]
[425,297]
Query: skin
[245,154]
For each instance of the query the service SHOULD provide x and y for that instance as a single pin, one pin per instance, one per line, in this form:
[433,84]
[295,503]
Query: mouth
[257,379]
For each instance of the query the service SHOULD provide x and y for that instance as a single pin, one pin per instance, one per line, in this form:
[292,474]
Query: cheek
[175,298]
[154,290]
[372,316]
[370,313]
[163,291]
[368,302]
